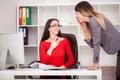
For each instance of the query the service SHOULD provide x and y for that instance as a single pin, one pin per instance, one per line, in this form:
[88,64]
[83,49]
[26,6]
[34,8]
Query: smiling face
[54,27]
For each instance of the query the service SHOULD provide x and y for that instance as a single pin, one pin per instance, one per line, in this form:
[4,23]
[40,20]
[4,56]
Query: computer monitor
[15,45]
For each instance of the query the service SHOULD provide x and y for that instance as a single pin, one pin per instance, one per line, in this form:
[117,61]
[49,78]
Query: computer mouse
[11,67]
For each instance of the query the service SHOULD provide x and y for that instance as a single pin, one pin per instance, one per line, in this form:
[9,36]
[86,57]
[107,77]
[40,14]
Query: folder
[24,16]
[25,34]
[25,31]
[28,15]
[21,29]
[20,15]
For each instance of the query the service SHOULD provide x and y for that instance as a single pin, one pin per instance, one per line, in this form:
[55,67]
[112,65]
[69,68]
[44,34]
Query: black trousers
[55,77]
[118,66]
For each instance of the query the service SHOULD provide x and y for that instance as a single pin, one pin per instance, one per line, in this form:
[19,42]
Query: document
[37,65]
[44,66]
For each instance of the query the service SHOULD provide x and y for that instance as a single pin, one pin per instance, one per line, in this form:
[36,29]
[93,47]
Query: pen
[56,39]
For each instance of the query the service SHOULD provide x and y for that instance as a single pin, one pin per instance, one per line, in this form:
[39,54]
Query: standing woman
[98,31]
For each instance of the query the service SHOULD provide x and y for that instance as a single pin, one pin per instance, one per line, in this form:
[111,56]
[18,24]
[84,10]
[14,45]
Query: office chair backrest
[73,43]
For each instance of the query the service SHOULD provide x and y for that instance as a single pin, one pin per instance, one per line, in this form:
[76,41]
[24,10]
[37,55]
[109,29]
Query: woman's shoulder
[93,23]
[44,42]
[62,39]
[92,19]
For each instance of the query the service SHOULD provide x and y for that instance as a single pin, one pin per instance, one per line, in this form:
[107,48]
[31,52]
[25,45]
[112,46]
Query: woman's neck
[53,37]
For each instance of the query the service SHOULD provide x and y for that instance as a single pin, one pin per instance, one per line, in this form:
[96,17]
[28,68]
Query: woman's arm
[44,57]
[96,36]
[90,43]
[45,54]
[69,54]
[81,26]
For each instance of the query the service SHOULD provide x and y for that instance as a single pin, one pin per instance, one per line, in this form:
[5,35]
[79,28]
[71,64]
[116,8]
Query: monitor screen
[15,45]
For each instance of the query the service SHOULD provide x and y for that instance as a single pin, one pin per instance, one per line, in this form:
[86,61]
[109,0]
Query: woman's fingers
[55,43]
[91,68]
[94,67]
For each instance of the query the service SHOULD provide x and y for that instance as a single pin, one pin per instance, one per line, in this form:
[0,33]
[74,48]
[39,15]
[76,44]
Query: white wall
[7,16]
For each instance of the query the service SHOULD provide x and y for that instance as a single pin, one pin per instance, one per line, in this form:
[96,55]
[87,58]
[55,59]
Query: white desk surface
[29,71]
[9,74]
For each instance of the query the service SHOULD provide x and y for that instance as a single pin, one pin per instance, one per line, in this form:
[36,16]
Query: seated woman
[53,47]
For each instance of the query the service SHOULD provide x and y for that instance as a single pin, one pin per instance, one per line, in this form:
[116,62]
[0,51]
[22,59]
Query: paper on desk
[34,65]
[37,65]
[44,66]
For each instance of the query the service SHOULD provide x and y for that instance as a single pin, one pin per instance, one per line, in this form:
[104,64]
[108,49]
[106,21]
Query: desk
[9,74]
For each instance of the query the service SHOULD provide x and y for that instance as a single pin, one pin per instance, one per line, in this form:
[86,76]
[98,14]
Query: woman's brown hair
[86,9]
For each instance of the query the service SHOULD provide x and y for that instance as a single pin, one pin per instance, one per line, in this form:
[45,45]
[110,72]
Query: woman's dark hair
[46,33]
[84,6]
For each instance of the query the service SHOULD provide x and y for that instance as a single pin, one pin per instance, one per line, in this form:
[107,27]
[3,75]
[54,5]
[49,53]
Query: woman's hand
[61,67]
[53,66]
[94,67]
[52,46]
[81,25]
